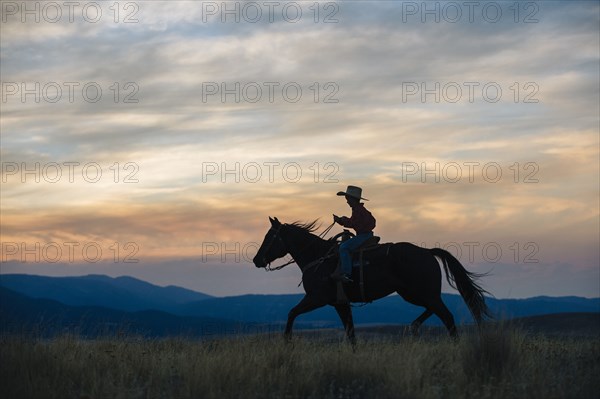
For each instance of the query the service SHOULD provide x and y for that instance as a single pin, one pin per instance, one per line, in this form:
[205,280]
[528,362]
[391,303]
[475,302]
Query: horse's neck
[306,249]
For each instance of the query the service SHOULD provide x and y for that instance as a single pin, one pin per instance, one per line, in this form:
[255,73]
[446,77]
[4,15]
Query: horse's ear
[277,221]
[274,221]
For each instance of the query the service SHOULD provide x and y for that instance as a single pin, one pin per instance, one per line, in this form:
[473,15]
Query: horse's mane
[309,227]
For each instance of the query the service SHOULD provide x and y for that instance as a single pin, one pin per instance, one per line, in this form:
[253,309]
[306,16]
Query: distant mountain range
[123,293]
[97,304]
[21,314]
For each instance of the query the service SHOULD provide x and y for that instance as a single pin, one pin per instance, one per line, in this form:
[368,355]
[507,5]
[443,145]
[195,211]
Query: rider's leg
[346,258]
[347,247]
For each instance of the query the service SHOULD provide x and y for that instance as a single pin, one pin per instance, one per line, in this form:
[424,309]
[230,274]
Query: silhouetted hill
[130,294]
[45,317]
[564,324]
[561,325]
[389,310]
[543,305]
[123,293]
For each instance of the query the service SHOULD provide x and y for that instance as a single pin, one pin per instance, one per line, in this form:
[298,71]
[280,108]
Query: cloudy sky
[154,138]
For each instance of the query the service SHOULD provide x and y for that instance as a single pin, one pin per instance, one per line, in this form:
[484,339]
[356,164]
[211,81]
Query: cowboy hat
[354,192]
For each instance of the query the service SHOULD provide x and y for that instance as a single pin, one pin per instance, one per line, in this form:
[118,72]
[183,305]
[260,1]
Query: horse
[407,269]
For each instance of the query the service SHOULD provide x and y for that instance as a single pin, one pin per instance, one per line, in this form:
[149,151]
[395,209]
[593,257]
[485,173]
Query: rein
[268,268]
[314,264]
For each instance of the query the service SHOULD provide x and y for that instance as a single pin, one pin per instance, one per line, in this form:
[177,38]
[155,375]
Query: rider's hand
[336,218]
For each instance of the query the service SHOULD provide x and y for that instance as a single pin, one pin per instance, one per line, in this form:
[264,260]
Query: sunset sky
[477,132]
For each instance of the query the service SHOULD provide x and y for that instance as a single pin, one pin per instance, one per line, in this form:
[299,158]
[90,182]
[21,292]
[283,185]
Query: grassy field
[502,362]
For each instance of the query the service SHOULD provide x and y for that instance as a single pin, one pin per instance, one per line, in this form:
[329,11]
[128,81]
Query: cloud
[209,169]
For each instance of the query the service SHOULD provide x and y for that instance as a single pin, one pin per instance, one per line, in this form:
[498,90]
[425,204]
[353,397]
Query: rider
[362,221]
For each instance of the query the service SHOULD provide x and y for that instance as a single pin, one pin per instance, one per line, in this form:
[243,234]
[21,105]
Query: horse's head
[272,246]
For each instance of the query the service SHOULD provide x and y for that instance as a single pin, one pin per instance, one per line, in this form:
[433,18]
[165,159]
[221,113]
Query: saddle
[369,244]
[357,261]
[357,254]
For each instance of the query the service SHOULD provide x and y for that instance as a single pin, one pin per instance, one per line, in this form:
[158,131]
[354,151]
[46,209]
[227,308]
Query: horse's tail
[464,281]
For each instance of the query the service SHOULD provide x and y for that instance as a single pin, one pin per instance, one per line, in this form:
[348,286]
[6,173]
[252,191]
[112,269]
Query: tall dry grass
[500,362]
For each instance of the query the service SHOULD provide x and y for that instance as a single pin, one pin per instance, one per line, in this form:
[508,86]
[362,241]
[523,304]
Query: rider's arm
[345,221]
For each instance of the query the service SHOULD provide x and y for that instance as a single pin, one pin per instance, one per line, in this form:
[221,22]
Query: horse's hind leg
[414,326]
[439,308]
[345,314]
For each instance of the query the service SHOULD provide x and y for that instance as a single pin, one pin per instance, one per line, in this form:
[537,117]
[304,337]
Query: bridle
[275,236]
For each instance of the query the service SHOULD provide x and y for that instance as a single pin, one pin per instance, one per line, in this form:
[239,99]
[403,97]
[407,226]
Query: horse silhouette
[411,271]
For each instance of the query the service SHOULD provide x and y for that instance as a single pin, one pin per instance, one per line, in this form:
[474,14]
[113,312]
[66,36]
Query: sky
[154,139]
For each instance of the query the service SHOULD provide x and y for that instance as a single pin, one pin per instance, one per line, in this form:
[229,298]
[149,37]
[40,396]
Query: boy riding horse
[362,222]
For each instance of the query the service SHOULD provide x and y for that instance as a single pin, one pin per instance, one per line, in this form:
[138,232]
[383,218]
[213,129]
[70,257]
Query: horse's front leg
[307,304]
[345,313]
